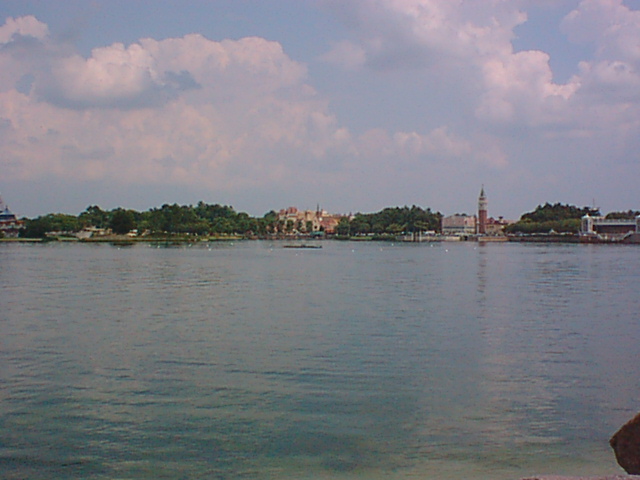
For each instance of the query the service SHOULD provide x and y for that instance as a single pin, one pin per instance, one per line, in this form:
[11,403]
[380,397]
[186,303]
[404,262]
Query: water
[358,360]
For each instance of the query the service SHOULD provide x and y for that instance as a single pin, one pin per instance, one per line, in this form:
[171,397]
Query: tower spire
[482,212]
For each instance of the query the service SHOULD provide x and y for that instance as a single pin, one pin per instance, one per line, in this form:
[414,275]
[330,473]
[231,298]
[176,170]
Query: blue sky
[353,105]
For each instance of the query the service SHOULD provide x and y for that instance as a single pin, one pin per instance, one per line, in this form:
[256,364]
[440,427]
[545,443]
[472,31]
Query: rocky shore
[608,477]
[626,447]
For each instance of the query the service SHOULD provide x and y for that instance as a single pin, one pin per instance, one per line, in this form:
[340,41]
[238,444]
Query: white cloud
[469,46]
[614,74]
[22,49]
[191,111]
[612,26]
[516,117]
[346,54]
[179,110]
[113,76]
[253,61]
[27,26]
[424,33]
[519,87]
[238,114]
[150,73]
[463,43]
[437,143]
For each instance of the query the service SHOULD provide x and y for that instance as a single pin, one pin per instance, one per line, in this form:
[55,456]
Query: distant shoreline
[533,238]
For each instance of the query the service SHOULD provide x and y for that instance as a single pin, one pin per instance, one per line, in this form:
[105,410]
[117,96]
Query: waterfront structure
[482,213]
[480,225]
[10,226]
[598,227]
[460,225]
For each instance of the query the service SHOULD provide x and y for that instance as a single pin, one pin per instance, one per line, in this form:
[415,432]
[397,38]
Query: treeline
[219,220]
[216,220]
[202,219]
[628,215]
[391,221]
[548,218]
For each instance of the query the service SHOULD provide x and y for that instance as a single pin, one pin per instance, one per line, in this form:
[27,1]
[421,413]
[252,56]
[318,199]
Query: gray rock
[626,445]
[561,477]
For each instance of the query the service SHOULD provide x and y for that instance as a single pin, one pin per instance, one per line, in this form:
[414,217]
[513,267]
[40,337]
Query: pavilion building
[10,226]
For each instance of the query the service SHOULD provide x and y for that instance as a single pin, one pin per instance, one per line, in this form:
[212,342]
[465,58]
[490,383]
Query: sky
[353,105]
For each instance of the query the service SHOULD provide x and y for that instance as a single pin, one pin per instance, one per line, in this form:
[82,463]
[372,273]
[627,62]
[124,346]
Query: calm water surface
[248,360]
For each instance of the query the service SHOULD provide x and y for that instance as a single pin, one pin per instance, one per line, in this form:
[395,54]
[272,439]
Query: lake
[360,360]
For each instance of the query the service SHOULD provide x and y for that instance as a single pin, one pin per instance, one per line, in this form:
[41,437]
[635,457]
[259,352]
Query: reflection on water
[353,361]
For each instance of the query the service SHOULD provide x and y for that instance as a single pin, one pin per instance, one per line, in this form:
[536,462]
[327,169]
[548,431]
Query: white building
[609,226]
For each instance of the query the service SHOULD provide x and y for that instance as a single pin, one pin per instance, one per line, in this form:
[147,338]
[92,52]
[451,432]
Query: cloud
[609,24]
[514,116]
[123,111]
[114,76]
[189,110]
[346,54]
[468,46]
[248,62]
[437,143]
[242,115]
[151,73]
[614,73]
[519,87]
[430,33]
[28,26]
[23,49]
[466,41]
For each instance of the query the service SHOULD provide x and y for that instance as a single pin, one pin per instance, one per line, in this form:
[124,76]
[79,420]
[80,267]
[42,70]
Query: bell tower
[482,212]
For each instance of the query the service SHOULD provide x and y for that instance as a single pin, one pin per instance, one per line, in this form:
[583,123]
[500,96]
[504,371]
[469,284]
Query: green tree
[94,216]
[628,215]
[35,228]
[410,219]
[223,226]
[53,222]
[395,228]
[422,226]
[122,221]
[269,222]
[343,227]
[289,226]
[377,228]
[359,226]
[547,218]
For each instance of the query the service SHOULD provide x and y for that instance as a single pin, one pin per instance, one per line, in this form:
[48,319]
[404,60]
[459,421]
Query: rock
[563,477]
[626,445]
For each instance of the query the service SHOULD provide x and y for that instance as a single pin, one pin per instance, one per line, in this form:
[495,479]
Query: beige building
[495,227]
[460,225]
[308,221]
